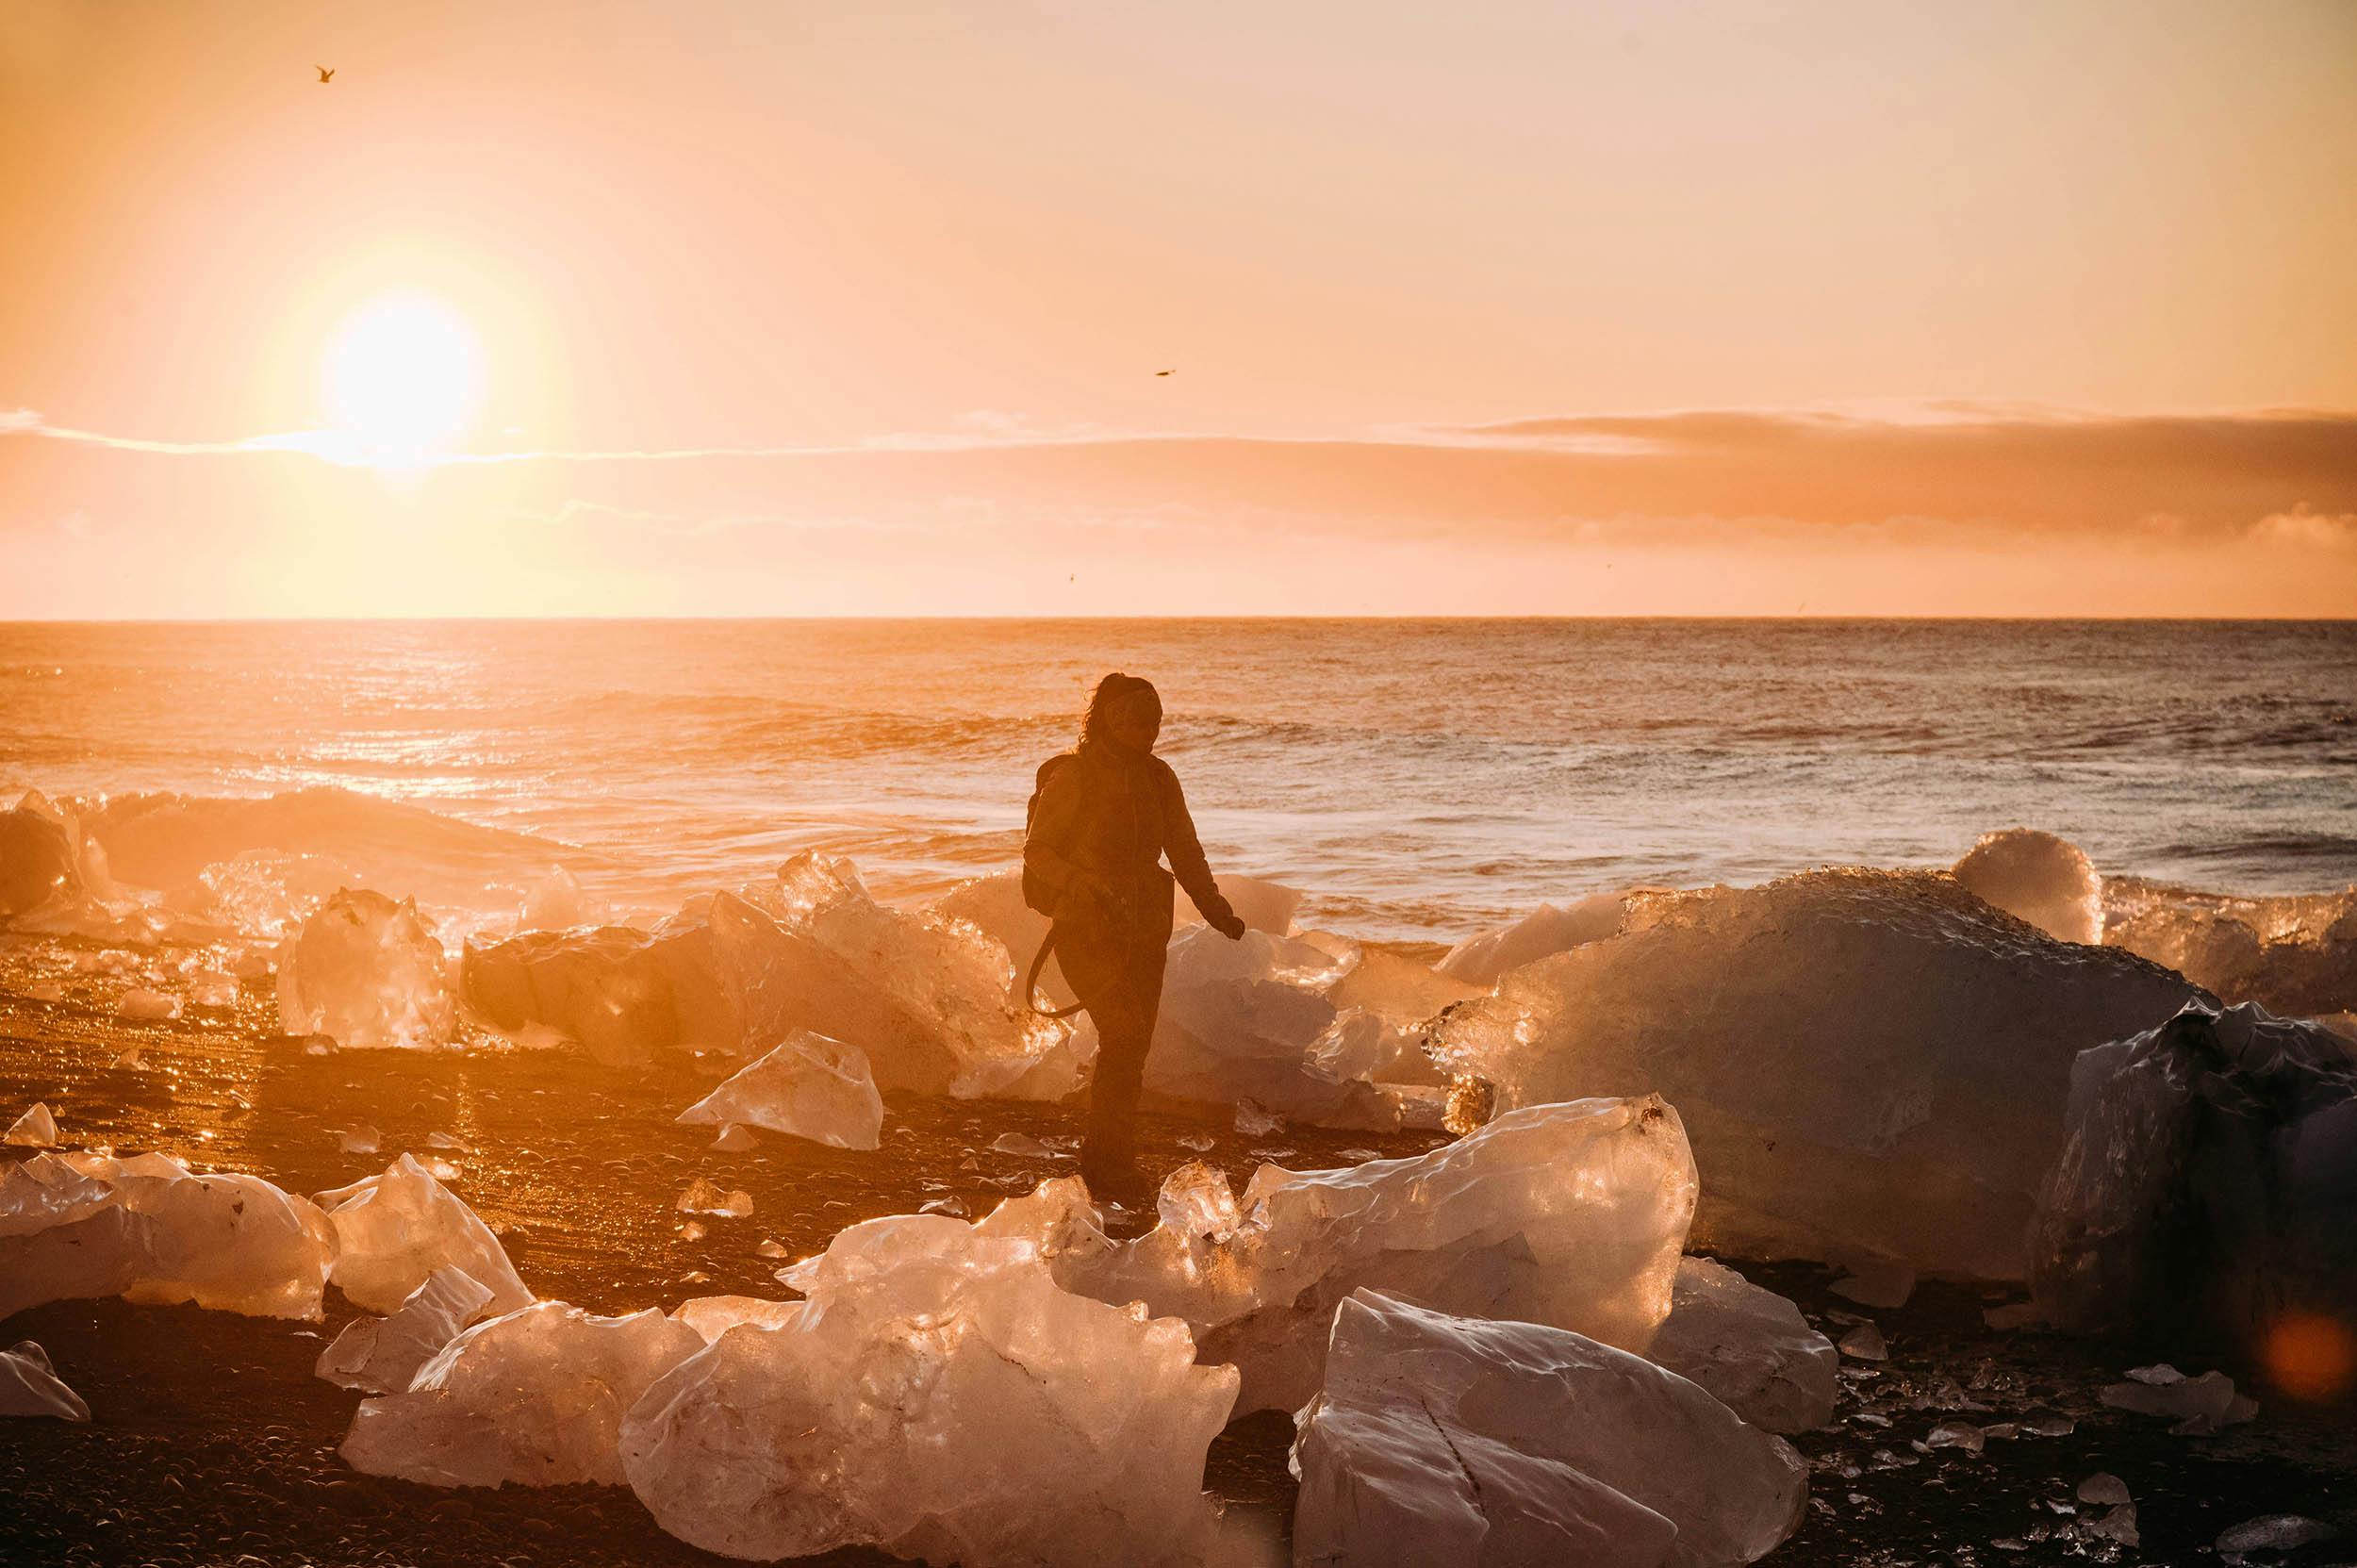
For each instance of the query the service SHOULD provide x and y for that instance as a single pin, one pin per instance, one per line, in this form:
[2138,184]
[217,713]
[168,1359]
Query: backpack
[1036,897]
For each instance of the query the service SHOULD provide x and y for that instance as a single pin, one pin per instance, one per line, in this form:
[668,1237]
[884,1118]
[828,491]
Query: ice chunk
[1397,990]
[148,1230]
[1247,1020]
[1955,1434]
[142,1005]
[35,1129]
[393,1230]
[2118,1524]
[736,1139]
[2205,1180]
[706,1197]
[937,1396]
[1546,931]
[210,988]
[2198,1405]
[1385,1480]
[713,1315]
[1254,1122]
[609,989]
[811,1086]
[993,905]
[2104,1488]
[1197,1202]
[368,972]
[358,1140]
[1749,1346]
[1022,1146]
[2294,955]
[40,859]
[1572,1215]
[383,1354]
[2272,1532]
[929,998]
[535,1397]
[29,1386]
[2038,878]
[1864,1343]
[1867,1061]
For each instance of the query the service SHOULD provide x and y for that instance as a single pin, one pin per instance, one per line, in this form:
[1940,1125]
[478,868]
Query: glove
[1228,924]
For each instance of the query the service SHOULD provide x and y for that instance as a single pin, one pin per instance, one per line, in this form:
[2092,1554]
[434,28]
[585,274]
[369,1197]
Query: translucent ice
[1877,1283]
[40,859]
[703,1197]
[1261,906]
[2294,954]
[536,1398]
[85,1225]
[929,998]
[383,1354]
[1397,990]
[736,1139]
[1864,1343]
[2272,1532]
[368,972]
[1749,1346]
[940,1397]
[2205,1180]
[393,1230]
[35,1129]
[2198,1405]
[609,989]
[1674,1476]
[2038,878]
[811,1086]
[1867,1061]
[29,1386]
[1567,1215]
[1544,931]
[140,1005]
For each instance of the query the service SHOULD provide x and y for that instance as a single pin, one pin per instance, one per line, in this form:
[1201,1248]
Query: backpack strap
[1030,982]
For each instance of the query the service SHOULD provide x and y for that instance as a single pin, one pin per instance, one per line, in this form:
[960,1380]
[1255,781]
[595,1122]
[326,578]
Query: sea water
[1418,778]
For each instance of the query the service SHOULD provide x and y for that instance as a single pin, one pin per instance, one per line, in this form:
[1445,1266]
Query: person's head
[1125,711]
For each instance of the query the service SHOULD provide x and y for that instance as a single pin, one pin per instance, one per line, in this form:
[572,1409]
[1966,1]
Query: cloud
[2265,475]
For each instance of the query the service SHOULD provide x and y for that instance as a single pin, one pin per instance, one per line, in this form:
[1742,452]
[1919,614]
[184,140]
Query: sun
[402,378]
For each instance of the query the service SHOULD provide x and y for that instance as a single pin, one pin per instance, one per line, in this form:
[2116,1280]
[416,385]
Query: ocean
[1417,778]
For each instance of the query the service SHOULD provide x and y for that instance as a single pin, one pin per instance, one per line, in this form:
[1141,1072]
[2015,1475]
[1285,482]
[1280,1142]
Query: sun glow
[402,379]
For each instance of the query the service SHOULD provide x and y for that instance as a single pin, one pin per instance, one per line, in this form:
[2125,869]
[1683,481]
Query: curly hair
[1110,693]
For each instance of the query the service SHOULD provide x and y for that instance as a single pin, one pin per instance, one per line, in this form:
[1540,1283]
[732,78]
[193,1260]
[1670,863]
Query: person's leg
[1124,1031]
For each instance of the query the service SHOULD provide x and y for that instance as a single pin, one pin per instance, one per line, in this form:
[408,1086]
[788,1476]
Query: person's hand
[1229,925]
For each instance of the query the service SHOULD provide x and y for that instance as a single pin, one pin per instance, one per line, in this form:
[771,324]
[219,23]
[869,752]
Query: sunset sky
[857,307]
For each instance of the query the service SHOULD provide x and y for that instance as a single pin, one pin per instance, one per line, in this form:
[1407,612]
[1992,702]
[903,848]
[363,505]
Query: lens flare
[2310,1356]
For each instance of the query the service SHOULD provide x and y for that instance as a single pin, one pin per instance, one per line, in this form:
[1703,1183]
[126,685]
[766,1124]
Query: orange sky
[2037,308]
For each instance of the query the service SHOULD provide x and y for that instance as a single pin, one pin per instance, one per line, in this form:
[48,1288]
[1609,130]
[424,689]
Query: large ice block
[1674,1476]
[369,973]
[39,857]
[2036,877]
[536,1398]
[940,1397]
[1749,1346]
[148,1230]
[1568,1215]
[2206,1184]
[2294,954]
[1480,959]
[393,1230]
[607,988]
[810,1087]
[383,1354]
[1868,1062]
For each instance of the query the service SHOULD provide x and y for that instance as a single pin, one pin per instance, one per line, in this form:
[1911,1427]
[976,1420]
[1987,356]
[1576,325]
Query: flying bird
[327,73]
[1161,372]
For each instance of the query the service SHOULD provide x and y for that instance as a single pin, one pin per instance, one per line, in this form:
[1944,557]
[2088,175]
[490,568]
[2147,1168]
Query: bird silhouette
[327,73]
[1161,372]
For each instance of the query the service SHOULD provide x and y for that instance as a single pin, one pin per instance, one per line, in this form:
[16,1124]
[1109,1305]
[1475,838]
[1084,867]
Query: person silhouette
[1102,817]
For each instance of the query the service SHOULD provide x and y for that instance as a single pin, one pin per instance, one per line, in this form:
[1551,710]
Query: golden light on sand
[402,378]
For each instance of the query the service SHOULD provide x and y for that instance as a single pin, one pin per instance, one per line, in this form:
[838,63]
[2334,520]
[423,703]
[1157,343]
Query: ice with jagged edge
[1481,958]
[395,1228]
[1749,1346]
[810,1087]
[2293,953]
[1439,1439]
[1867,1061]
[2204,1186]
[534,1398]
[1571,1215]
[937,1395]
[383,1354]
[2039,878]
[608,990]
[150,1231]
[29,1386]
[369,972]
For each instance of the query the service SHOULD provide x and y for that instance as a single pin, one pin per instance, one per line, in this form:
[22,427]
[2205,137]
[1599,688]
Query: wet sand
[211,1441]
